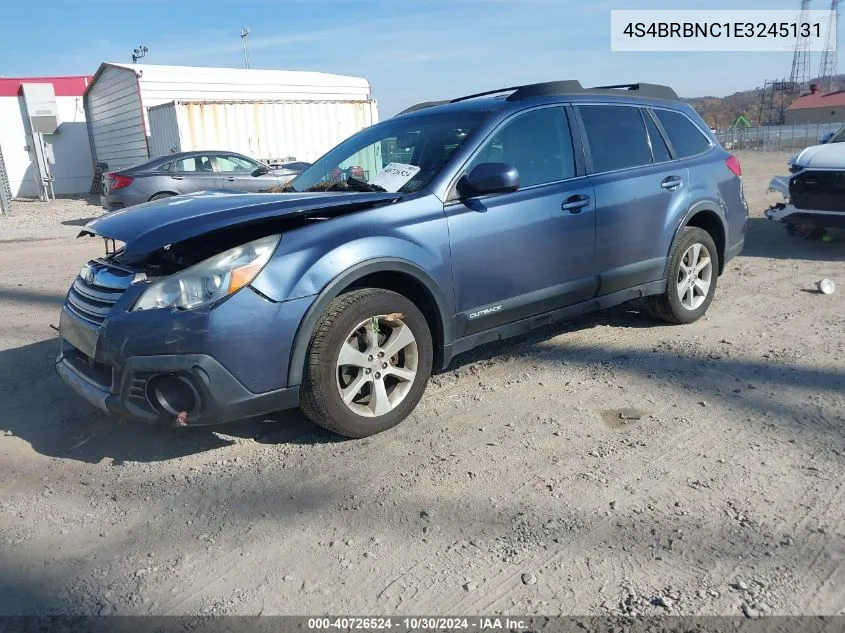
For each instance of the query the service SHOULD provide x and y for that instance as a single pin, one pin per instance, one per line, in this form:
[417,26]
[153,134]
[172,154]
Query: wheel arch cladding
[397,275]
[706,218]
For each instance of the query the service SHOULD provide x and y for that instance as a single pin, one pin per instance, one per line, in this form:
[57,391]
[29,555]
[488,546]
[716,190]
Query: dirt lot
[514,488]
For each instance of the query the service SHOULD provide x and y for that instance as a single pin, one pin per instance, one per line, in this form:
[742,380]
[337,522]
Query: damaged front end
[813,200]
[165,328]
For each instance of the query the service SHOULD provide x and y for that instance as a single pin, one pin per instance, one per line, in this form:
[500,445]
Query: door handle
[178,177]
[574,204]
[230,178]
[671,183]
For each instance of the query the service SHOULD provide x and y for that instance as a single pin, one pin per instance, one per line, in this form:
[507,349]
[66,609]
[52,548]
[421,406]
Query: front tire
[691,283]
[368,363]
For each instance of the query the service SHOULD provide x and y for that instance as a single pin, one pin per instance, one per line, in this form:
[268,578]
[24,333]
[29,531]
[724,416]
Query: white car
[814,193]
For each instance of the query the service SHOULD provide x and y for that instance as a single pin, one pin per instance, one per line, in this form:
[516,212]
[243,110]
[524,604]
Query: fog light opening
[173,394]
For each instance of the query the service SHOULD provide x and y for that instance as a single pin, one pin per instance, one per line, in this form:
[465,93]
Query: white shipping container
[264,130]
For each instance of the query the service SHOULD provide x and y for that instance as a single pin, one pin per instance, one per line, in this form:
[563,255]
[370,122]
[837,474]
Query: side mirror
[489,178]
[261,170]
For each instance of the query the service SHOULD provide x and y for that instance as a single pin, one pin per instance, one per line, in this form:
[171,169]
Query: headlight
[211,279]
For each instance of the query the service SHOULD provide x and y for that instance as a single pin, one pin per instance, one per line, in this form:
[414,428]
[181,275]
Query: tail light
[733,165]
[118,181]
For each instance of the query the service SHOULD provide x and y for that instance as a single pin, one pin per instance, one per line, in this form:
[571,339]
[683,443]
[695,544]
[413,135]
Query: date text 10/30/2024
[415,623]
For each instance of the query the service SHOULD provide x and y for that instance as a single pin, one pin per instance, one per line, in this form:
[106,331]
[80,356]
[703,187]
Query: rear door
[639,190]
[195,173]
[236,172]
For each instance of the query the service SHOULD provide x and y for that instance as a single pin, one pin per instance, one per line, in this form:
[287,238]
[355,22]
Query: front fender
[348,277]
[320,260]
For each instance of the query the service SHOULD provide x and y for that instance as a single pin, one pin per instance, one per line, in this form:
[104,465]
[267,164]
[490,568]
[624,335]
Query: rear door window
[194,164]
[686,138]
[616,136]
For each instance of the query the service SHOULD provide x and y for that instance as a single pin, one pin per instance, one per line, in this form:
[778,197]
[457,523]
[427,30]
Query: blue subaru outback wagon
[447,226]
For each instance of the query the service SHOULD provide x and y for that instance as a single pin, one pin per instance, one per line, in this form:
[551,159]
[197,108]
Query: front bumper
[230,362]
[789,214]
[217,396]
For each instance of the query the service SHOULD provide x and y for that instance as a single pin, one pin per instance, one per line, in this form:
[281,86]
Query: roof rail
[654,91]
[485,93]
[420,106]
[566,87]
[548,88]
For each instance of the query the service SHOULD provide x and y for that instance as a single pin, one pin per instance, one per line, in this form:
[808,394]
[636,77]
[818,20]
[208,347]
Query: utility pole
[800,75]
[244,35]
[827,69]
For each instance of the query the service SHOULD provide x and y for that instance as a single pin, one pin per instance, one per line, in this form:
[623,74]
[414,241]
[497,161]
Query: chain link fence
[775,138]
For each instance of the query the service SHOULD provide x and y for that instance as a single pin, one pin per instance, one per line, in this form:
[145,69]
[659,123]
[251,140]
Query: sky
[409,50]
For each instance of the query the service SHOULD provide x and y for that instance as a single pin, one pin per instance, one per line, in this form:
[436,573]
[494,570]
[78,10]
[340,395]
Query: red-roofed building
[817,107]
[67,151]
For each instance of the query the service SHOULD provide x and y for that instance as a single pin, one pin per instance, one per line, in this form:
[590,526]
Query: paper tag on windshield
[394,176]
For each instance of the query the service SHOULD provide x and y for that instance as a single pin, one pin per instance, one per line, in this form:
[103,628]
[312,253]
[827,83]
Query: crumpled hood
[828,156]
[147,227]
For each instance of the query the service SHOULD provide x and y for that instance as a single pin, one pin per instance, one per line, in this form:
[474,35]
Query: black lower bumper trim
[221,396]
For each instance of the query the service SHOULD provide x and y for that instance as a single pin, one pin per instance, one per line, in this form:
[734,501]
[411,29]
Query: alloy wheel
[376,365]
[695,274]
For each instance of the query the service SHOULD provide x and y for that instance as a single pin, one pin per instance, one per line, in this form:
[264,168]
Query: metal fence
[775,138]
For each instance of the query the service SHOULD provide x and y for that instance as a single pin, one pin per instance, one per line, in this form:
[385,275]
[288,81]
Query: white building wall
[69,153]
[110,93]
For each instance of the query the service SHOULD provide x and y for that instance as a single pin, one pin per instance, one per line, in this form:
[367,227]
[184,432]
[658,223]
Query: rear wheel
[691,283]
[368,363]
[161,196]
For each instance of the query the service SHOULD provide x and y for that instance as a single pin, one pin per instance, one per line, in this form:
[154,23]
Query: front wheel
[691,283]
[368,363]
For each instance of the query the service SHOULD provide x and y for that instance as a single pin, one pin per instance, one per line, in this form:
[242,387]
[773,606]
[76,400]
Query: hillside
[721,111]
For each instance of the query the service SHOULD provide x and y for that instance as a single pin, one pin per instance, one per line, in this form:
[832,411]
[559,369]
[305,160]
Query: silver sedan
[189,172]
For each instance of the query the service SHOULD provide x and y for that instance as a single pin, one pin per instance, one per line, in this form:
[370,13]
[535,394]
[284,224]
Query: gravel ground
[33,220]
[516,487]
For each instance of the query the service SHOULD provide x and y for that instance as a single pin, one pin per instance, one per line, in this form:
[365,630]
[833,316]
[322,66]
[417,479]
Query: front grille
[818,190]
[92,300]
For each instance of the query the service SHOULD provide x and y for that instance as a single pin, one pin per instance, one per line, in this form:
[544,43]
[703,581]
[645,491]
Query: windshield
[839,137]
[399,155]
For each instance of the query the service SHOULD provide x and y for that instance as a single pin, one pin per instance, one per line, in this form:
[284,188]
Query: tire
[348,321]
[669,306]
[161,196]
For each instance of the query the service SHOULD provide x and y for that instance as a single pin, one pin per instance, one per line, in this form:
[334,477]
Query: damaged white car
[814,193]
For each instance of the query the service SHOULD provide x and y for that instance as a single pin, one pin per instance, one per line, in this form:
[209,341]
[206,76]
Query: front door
[515,255]
[236,172]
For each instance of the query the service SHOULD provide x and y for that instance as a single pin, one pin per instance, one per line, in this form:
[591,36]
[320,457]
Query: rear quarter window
[687,140]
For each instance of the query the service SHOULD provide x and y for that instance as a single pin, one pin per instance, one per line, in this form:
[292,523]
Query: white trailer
[270,131]
[119,96]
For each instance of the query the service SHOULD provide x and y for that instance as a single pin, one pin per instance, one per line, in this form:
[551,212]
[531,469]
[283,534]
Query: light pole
[244,35]
[139,53]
